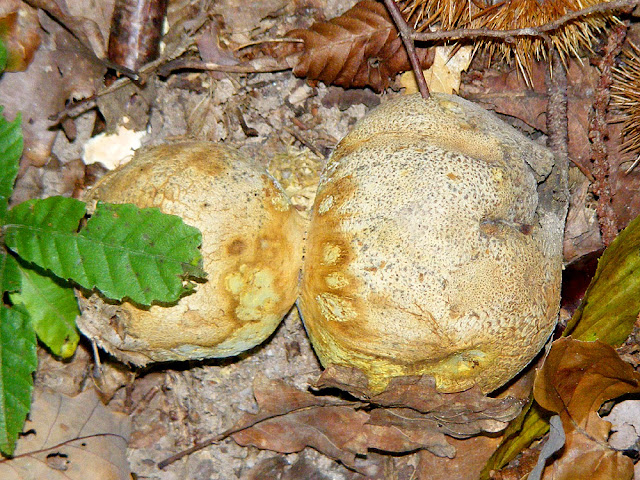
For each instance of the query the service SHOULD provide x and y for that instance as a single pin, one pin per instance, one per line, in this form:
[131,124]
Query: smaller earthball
[252,240]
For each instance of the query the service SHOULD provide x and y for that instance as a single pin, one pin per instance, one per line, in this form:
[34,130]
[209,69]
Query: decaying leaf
[89,25]
[290,420]
[444,74]
[56,74]
[70,438]
[359,48]
[410,415]
[471,455]
[459,415]
[576,379]
[20,32]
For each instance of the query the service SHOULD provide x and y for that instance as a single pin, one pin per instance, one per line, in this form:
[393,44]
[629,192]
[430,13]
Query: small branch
[508,35]
[194,64]
[254,420]
[557,119]
[62,444]
[408,38]
[598,133]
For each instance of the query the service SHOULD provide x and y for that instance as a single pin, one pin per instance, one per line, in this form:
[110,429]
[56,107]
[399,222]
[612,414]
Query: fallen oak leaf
[289,420]
[70,438]
[576,379]
[460,415]
[334,431]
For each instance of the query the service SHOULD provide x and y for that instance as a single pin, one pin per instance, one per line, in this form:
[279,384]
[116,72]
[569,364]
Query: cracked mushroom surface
[434,247]
[252,240]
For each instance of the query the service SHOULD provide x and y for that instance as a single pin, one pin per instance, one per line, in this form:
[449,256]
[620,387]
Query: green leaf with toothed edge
[18,361]
[123,251]
[9,272]
[11,145]
[52,307]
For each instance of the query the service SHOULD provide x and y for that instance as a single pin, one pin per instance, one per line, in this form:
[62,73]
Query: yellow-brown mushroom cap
[428,252]
[251,247]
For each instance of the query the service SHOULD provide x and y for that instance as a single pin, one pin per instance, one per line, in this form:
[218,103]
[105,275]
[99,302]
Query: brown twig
[254,420]
[598,132]
[508,35]
[301,138]
[408,39]
[194,64]
[62,444]
[557,119]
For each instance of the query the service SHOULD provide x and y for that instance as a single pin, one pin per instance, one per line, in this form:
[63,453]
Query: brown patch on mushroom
[236,247]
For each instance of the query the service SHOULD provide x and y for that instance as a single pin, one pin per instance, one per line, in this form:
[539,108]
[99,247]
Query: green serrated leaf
[124,251]
[9,273]
[4,56]
[18,361]
[10,151]
[610,306]
[52,307]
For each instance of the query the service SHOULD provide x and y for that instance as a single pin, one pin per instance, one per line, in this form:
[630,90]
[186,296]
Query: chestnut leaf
[18,361]
[123,251]
[52,307]
[10,151]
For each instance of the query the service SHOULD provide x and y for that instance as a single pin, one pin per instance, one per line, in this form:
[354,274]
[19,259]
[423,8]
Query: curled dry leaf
[460,415]
[289,420]
[70,438]
[576,379]
[89,25]
[20,32]
[359,48]
[410,415]
[56,74]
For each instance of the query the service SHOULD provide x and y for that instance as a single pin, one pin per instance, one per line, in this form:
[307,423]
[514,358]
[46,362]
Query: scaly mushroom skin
[251,246]
[430,250]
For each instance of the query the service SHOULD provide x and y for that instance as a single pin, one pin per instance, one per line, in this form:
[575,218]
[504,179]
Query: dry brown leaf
[444,74]
[289,420]
[359,48]
[20,32]
[471,456]
[410,415]
[459,415]
[576,379]
[90,24]
[57,74]
[70,438]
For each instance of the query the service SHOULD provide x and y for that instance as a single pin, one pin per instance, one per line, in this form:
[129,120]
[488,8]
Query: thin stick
[598,131]
[408,35]
[193,64]
[254,420]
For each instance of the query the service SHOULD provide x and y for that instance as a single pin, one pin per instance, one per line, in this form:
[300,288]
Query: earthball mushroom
[252,240]
[435,247]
